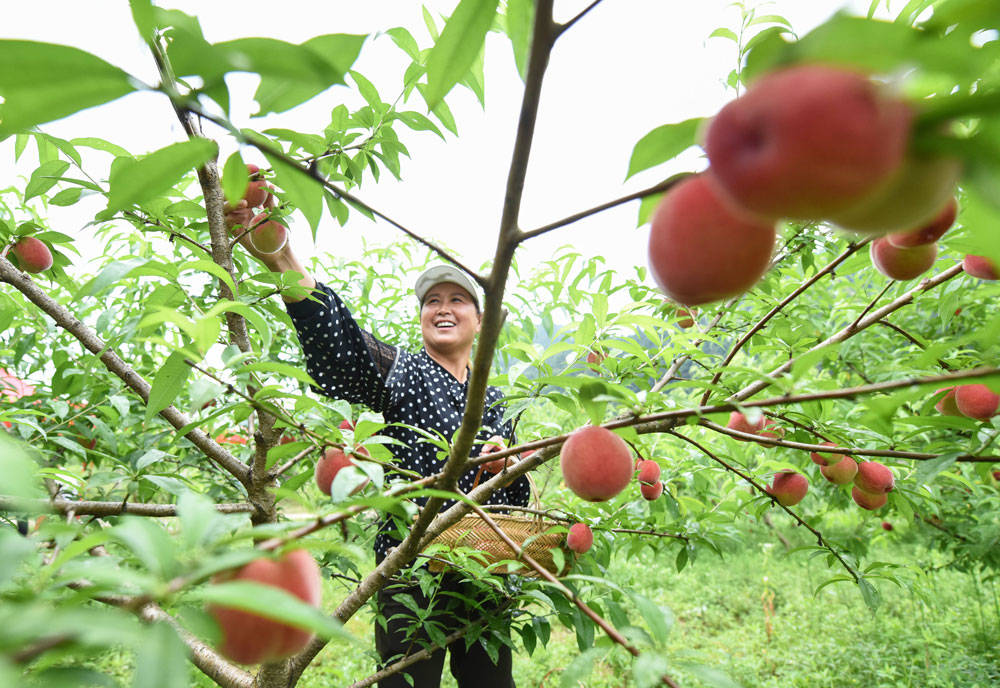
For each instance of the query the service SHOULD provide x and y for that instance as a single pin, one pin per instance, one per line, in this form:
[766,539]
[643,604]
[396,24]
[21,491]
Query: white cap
[444,273]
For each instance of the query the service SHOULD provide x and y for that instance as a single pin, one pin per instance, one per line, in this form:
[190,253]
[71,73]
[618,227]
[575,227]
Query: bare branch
[61,505]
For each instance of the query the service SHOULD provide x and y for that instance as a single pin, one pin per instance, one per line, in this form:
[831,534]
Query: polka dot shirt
[408,388]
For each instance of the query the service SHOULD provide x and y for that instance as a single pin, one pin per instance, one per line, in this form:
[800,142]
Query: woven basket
[529,533]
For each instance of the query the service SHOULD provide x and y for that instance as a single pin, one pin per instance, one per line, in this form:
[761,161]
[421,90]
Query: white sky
[627,67]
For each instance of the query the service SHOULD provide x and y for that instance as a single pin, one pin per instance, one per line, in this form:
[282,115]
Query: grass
[753,615]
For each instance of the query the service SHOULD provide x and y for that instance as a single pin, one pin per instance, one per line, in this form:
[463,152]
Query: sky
[624,69]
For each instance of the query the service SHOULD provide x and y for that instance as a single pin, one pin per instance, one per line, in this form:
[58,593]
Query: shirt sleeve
[345,361]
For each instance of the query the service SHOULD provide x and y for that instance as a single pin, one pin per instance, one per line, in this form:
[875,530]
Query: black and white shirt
[411,388]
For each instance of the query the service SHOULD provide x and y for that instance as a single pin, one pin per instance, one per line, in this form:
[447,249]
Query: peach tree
[162,431]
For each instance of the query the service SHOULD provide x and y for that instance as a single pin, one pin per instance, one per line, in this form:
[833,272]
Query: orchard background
[152,371]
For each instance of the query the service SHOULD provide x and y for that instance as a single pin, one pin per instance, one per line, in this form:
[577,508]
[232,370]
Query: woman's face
[449,319]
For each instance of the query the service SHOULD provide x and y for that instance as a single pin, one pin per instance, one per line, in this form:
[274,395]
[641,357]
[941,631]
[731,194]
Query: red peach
[651,492]
[249,638]
[702,250]
[268,236]
[946,405]
[329,465]
[874,478]
[902,263]
[841,472]
[739,422]
[867,500]
[32,255]
[580,538]
[807,141]
[649,472]
[826,458]
[978,402]
[981,267]
[788,488]
[930,232]
[596,463]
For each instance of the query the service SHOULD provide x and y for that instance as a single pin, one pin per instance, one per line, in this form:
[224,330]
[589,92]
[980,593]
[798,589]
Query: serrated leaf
[135,181]
[41,82]
[662,144]
[167,383]
[456,50]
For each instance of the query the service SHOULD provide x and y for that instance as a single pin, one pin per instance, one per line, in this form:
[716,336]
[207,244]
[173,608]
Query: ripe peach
[771,429]
[930,232]
[902,263]
[739,422]
[649,472]
[327,467]
[268,236]
[976,401]
[595,357]
[651,492]
[580,538]
[788,488]
[826,458]
[841,472]
[701,249]
[981,267]
[257,190]
[874,478]
[32,255]
[807,141]
[596,463]
[867,500]
[913,197]
[249,638]
[996,475]
[886,525]
[946,405]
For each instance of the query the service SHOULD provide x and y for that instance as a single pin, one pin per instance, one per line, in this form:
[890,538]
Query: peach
[886,525]
[981,267]
[771,429]
[249,638]
[329,465]
[826,458]
[913,198]
[703,250]
[268,236]
[867,500]
[651,492]
[978,402]
[946,405]
[788,488]
[807,141]
[840,472]
[929,232]
[902,263]
[580,538]
[649,472]
[739,422]
[874,478]
[32,254]
[596,463]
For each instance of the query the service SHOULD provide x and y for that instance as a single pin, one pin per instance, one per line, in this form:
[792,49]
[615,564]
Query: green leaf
[520,21]
[926,470]
[41,82]
[101,145]
[135,181]
[417,122]
[579,669]
[167,384]
[870,594]
[161,659]
[234,178]
[659,619]
[44,178]
[723,32]
[114,271]
[292,74]
[710,676]
[150,543]
[662,144]
[66,197]
[367,89]
[303,191]
[143,18]
[405,41]
[456,50]
[272,603]
[284,369]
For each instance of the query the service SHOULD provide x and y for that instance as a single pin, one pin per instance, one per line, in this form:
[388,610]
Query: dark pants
[472,667]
